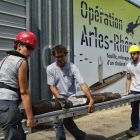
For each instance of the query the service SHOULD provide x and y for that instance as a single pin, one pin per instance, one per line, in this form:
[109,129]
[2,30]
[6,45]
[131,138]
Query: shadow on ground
[94,137]
[119,136]
[41,127]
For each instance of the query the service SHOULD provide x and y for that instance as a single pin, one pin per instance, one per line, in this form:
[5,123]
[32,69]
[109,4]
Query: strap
[15,53]
[3,85]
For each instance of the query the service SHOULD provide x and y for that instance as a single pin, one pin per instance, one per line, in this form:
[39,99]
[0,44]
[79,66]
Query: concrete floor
[111,123]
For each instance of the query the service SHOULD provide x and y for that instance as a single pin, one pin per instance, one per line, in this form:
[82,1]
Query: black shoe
[132,133]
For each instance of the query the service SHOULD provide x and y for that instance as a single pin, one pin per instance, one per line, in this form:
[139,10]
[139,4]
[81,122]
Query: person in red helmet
[14,79]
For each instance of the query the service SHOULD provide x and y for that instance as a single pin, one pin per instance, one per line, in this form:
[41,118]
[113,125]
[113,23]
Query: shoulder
[15,58]
[73,66]
[17,61]
[23,64]
[129,64]
[51,67]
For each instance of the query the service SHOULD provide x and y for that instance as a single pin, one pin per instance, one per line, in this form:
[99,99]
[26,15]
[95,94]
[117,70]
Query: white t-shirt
[134,71]
[64,78]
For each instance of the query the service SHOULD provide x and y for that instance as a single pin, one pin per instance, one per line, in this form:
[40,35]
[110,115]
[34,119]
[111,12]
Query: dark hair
[22,43]
[59,48]
[16,45]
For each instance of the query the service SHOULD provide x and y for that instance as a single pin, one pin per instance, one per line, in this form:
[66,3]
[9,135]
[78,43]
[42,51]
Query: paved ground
[111,124]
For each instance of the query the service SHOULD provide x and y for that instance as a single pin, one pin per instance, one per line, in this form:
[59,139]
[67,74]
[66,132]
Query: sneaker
[132,133]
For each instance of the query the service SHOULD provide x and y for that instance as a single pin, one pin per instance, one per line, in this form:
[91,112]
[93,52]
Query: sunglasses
[29,47]
[60,56]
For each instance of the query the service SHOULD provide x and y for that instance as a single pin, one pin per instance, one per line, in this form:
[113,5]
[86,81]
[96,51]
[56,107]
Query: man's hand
[60,97]
[91,106]
[31,123]
[128,93]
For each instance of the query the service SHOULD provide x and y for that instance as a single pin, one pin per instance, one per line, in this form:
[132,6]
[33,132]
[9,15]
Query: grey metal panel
[9,31]
[17,2]
[45,44]
[67,27]
[35,71]
[6,43]
[6,19]
[12,20]
[51,20]
[2,54]
[12,8]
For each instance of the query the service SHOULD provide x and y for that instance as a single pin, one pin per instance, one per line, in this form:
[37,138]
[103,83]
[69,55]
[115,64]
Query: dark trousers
[135,113]
[10,121]
[71,127]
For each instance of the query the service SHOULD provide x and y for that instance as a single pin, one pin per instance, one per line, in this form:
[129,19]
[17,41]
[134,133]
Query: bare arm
[128,83]
[85,89]
[55,91]
[25,94]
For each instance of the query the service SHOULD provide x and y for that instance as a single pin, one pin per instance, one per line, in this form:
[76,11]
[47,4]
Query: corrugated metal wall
[51,20]
[12,20]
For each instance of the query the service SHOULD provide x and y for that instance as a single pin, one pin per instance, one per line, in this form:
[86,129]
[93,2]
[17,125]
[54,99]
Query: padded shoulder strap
[15,53]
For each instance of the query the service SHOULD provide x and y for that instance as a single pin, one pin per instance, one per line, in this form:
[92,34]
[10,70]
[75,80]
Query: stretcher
[82,110]
[79,111]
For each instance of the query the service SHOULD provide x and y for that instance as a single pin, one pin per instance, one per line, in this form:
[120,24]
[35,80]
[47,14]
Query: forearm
[86,91]
[26,100]
[128,83]
[55,91]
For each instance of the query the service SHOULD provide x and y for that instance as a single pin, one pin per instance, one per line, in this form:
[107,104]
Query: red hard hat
[26,37]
